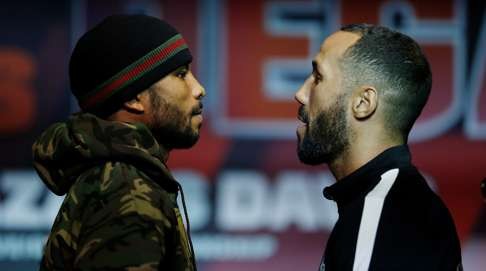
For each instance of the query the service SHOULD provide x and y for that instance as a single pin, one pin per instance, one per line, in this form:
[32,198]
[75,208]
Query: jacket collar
[364,179]
[66,149]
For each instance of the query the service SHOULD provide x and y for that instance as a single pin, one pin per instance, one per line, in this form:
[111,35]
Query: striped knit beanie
[121,57]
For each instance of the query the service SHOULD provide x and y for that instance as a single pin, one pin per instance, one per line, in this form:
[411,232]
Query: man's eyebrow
[183,67]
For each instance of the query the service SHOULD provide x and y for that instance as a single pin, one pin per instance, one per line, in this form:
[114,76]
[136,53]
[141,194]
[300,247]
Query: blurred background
[252,205]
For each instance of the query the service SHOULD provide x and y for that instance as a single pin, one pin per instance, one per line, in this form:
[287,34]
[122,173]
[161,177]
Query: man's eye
[317,78]
[182,73]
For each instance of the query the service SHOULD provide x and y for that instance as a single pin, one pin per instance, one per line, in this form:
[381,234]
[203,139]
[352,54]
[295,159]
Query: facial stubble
[170,125]
[326,136]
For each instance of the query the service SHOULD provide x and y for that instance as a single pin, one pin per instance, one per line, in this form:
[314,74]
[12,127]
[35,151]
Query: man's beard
[170,126]
[326,137]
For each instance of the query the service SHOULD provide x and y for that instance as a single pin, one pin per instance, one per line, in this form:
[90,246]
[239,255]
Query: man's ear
[365,102]
[135,105]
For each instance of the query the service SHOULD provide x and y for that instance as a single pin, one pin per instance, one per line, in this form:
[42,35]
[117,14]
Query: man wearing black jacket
[368,86]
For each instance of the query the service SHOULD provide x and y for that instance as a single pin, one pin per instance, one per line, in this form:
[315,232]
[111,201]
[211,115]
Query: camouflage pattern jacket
[120,210]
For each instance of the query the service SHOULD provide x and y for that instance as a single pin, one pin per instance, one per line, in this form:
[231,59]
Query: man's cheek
[316,105]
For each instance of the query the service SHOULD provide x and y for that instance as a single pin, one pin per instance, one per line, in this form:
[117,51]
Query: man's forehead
[336,44]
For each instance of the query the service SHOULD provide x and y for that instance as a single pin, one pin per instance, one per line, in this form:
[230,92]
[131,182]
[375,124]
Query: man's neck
[358,155]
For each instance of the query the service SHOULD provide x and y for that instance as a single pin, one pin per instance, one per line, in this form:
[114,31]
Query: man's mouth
[303,116]
[303,120]
[197,110]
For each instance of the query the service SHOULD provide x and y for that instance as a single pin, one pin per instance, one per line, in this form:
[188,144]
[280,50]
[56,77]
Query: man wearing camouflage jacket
[139,100]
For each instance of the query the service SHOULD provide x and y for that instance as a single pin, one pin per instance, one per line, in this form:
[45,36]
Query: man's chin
[310,159]
[309,152]
[187,143]
[179,140]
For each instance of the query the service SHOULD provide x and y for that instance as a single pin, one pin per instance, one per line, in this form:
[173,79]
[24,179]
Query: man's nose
[198,90]
[302,95]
